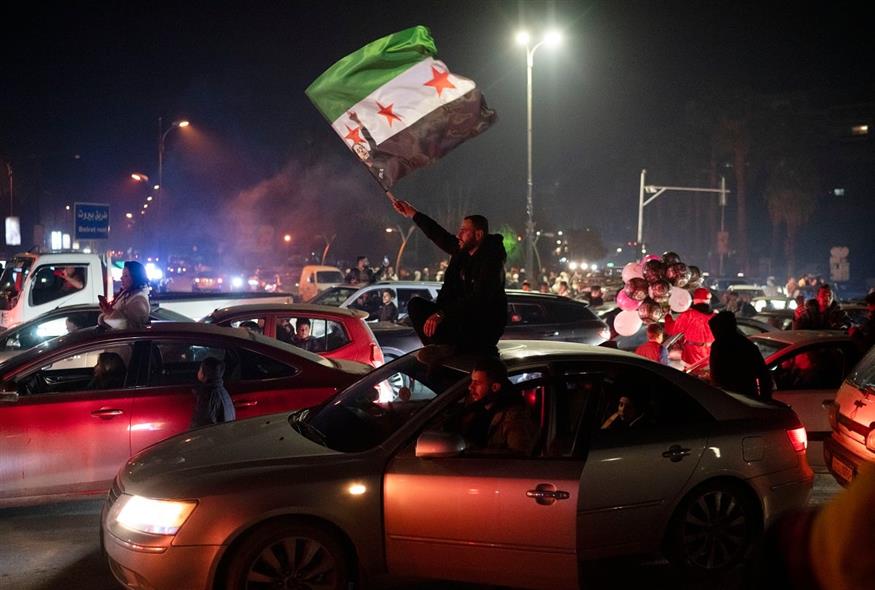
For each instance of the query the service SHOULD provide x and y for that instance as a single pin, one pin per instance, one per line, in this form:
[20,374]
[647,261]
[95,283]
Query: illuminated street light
[162,136]
[129,215]
[149,198]
[287,238]
[552,38]
[404,239]
[140,177]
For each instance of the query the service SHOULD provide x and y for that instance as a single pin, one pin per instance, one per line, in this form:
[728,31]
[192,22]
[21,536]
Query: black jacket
[736,362]
[472,295]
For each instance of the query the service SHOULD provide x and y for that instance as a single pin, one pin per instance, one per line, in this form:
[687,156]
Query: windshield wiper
[298,422]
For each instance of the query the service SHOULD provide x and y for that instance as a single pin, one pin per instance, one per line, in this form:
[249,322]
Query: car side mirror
[432,443]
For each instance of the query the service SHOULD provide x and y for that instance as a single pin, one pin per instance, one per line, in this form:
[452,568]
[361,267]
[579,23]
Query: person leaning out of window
[130,307]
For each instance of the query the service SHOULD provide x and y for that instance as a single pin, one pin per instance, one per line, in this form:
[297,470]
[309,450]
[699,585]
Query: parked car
[369,297]
[531,316]
[807,367]
[852,418]
[750,326]
[64,432]
[375,483]
[339,333]
[781,319]
[334,296]
[61,321]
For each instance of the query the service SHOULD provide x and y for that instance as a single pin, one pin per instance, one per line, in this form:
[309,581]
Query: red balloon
[636,288]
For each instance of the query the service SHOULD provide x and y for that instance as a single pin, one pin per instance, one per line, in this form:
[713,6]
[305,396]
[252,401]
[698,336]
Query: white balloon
[679,300]
[627,323]
[631,271]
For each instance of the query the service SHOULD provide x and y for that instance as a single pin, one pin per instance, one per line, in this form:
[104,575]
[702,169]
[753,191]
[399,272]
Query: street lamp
[162,135]
[405,237]
[328,241]
[656,191]
[523,38]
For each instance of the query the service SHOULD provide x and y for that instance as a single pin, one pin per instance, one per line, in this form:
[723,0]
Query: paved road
[56,548]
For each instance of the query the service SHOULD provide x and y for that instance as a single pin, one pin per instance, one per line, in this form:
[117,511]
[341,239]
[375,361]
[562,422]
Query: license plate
[842,469]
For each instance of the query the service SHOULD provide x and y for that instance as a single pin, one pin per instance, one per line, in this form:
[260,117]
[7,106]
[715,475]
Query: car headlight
[154,517]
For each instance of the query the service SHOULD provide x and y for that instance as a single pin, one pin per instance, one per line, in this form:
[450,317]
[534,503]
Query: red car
[336,332]
[65,432]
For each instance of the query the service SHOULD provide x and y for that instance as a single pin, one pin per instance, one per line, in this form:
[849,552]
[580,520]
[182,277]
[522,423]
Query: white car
[369,297]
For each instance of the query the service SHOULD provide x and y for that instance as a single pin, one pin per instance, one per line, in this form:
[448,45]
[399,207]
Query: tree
[791,197]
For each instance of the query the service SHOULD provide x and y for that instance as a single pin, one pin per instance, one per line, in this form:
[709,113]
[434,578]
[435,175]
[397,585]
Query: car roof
[254,308]
[390,284]
[790,337]
[519,294]
[520,351]
[158,330]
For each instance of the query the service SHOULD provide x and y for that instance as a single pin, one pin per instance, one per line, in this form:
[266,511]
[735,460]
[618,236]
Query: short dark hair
[213,368]
[479,222]
[390,292]
[654,330]
[493,367]
[302,322]
[360,258]
[139,277]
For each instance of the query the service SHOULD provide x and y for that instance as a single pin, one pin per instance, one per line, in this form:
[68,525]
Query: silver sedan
[377,483]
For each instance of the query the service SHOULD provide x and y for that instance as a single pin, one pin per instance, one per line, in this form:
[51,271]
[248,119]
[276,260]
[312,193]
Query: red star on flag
[353,134]
[440,80]
[387,112]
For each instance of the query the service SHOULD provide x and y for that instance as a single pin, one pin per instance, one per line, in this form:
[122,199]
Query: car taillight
[798,438]
[377,359]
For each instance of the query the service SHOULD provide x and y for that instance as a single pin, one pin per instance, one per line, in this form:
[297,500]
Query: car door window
[254,324]
[488,431]
[816,367]
[256,366]
[177,362]
[326,335]
[569,312]
[405,295]
[54,282]
[97,368]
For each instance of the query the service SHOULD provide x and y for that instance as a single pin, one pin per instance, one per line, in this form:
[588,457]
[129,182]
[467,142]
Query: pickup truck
[33,283]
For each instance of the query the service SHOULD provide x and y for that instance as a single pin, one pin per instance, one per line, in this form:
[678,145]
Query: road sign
[92,221]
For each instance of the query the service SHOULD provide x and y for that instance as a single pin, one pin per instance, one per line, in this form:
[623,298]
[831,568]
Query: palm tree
[791,197]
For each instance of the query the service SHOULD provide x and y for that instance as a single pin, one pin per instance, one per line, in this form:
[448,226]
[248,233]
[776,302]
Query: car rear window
[571,312]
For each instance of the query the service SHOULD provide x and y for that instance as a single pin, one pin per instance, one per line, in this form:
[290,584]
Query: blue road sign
[92,221]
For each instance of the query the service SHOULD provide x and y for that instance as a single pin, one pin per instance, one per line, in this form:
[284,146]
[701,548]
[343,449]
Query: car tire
[713,528]
[289,555]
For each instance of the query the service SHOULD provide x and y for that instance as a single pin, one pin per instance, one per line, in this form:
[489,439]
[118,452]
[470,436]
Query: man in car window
[471,309]
[495,416]
[302,338]
[628,415]
[388,311]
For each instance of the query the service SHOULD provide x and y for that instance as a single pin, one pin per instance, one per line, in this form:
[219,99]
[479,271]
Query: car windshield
[11,281]
[374,408]
[863,375]
[768,347]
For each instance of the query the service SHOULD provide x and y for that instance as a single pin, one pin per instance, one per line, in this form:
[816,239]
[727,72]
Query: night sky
[83,87]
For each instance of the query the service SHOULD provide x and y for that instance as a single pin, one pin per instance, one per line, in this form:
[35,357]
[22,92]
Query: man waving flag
[397,107]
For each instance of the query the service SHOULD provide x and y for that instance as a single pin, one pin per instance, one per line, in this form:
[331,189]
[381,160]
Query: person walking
[693,324]
[213,403]
[736,363]
[471,308]
[130,307]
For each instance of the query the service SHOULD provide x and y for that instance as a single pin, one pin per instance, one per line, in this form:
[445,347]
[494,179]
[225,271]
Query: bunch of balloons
[653,286]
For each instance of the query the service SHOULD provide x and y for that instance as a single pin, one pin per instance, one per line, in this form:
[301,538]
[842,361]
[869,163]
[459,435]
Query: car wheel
[714,528]
[289,555]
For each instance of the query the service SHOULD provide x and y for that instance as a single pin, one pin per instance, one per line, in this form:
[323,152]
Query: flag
[397,107]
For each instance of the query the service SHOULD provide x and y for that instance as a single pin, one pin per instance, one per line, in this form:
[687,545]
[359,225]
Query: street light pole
[404,239]
[656,191]
[523,38]
[162,135]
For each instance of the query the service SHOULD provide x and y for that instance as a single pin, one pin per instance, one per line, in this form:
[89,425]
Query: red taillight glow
[798,438]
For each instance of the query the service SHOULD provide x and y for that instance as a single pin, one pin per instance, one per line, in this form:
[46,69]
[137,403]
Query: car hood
[265,442]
